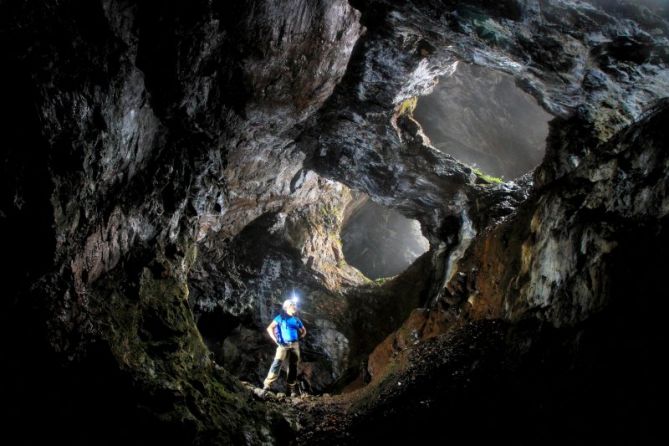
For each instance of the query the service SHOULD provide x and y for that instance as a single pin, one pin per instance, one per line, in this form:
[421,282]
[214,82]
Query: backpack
[277,330]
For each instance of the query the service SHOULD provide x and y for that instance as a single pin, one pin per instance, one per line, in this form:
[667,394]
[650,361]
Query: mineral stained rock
[171,171]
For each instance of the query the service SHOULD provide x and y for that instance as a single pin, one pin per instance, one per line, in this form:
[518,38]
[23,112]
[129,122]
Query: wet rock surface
[575,233]
[618,269]
[170,170]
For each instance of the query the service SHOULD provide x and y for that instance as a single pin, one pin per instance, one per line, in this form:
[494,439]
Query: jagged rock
[574,231]
[170,170]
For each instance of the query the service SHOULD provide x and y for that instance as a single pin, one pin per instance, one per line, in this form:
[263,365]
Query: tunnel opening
[379,241]
[483,119]
[238,285]
[480,117]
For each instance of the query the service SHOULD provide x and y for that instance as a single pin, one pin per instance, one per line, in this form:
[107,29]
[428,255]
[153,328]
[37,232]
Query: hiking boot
[293,393]
[261,393]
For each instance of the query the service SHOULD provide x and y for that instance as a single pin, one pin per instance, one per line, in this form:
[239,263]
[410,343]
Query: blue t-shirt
[288,327]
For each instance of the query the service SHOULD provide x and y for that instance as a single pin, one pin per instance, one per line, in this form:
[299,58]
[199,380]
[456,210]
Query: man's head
[290,306]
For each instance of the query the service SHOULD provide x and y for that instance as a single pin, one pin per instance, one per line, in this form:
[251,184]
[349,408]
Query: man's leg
[293,360]
[275,368]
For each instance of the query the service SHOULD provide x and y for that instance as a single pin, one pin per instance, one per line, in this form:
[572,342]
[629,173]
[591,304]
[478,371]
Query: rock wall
[138,130]
[169,169]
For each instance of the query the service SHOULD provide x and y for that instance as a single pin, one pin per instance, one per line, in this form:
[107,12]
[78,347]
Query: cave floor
[476,381]
[370,412]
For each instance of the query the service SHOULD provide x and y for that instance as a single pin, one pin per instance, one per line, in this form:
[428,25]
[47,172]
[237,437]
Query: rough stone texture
[409,46]
[574,232]
[162,162]
[239,289]
[568,269]
[136,117]
[558,258]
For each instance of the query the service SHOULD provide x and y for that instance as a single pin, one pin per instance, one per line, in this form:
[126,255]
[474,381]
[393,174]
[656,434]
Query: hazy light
[379,241]
[480,117]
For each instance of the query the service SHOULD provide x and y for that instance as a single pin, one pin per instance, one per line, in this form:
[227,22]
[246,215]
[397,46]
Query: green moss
[367,280]
[382,280]
[487,178]
[150,330]
[331,216]
[407,106]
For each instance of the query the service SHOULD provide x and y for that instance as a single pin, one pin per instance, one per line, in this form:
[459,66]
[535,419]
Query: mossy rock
[485,178]
[407,106]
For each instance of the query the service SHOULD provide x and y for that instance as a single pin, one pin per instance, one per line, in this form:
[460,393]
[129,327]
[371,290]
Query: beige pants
[292,353]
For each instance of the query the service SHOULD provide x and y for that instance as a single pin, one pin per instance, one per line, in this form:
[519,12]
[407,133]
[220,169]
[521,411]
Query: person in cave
[286,330]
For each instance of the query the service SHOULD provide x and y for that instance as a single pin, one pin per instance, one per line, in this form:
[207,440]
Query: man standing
[285,330]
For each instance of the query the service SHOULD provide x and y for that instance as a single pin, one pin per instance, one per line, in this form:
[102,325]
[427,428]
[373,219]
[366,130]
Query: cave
[172,173]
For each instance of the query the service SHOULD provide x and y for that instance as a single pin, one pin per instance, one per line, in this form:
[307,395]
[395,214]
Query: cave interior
[468,198]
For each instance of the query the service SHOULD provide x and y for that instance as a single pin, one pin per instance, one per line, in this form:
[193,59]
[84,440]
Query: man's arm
[270,330]
[303,332]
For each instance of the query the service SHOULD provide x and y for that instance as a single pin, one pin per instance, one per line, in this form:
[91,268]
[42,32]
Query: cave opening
[379,241]
[482,118]
[172,173]
[328,245]
[325,251]
[324,246]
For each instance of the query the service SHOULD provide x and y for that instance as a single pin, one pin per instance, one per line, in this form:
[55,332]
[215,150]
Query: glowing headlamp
[292,300]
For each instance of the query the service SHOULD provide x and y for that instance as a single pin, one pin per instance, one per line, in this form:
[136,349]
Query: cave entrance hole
[482,118]
[378,241]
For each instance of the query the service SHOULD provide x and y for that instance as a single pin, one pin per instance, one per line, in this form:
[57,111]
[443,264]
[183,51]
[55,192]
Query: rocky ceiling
[171,170]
